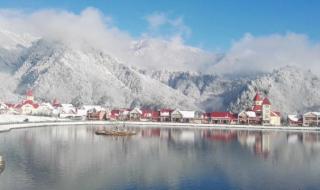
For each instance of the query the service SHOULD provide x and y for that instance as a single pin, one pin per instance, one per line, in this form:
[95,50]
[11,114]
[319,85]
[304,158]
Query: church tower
[257,100]
[266,111]
[29,95]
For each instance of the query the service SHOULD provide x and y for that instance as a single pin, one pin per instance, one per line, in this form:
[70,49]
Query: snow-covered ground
[16,122]
[8,118]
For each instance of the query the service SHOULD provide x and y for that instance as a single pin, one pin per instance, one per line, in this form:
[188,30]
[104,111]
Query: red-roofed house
[149,115]
[222,118]
[165,115]
[114,114]
[155,116]
[27,106]
[96,115]
[263,113]
[257,108]
[120,114]
[146,115]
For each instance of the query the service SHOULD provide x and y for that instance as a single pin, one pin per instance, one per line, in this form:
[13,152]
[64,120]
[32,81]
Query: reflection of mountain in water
[57,157]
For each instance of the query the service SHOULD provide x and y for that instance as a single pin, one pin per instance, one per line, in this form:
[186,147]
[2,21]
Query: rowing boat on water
[115,132]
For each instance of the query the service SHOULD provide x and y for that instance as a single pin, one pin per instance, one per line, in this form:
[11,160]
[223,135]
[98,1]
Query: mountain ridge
[86,75]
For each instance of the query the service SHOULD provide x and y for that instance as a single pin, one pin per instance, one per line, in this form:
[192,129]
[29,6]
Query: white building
[183,116]
[3,108]
[311,119]
[85,109]
[135,114]
[45,109]
[67,110]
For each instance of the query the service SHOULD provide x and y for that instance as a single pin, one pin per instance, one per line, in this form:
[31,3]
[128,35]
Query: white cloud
[160,23]
[156,20]
[265,53]
[92,28]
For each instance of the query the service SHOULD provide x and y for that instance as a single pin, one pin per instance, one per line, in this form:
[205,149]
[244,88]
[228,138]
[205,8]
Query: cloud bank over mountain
[85,58]
[92,29]
[263,54]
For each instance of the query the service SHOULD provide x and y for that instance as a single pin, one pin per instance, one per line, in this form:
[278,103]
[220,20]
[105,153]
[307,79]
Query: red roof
[266,101]
[155,114]
[115,112]
[30,102]
[150,113]
[257,97]
[146,113]
[256,108]
[9,105]
[29,93]
[166,110]
[206,115]
[56,103]
[275,113]
[222,115]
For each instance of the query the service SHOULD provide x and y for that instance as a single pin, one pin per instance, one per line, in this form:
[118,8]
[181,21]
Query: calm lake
[74,158]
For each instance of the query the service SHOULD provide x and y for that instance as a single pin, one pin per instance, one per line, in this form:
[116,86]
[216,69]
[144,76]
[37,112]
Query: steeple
[257,100]
[29,95]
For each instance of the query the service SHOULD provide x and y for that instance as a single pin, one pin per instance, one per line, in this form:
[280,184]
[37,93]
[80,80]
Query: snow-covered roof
[187,114]
[294,118]
[48,105]
[68,108]
[313,113]
[91,107]
[67,105]
[3,106]
[136,110]
[251,114]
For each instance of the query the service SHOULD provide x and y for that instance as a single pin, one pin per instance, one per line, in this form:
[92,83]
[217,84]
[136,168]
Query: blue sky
[213,25]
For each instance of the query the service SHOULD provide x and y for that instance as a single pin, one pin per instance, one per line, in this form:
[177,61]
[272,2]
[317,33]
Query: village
[261,113]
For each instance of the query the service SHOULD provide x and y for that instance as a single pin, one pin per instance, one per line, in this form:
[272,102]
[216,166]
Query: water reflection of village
[260,143]
[154,155]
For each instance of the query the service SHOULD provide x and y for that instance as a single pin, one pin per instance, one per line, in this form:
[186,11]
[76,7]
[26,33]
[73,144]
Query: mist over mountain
[104,65]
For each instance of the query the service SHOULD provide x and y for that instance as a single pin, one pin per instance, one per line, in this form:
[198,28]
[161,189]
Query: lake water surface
[74,158]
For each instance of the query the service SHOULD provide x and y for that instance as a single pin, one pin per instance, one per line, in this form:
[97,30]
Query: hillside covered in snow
[87,75]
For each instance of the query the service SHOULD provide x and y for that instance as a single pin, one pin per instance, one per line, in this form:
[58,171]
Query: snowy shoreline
[17,123]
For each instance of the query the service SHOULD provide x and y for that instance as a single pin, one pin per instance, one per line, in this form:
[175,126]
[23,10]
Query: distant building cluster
[261,113]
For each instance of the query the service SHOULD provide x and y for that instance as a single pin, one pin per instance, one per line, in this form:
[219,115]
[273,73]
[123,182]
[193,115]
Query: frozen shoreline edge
[7,127]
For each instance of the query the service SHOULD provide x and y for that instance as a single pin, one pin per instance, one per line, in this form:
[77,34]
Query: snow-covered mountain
[53,69]
[290,89]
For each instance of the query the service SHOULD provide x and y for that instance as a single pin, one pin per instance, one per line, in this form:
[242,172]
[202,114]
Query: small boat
[115,132]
